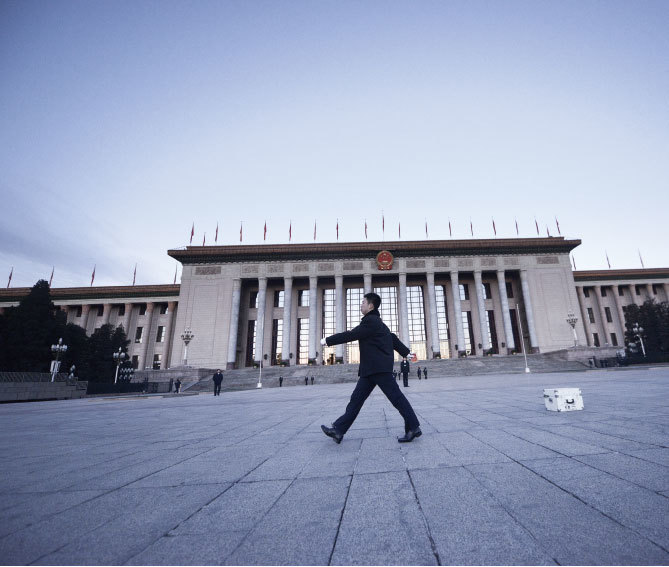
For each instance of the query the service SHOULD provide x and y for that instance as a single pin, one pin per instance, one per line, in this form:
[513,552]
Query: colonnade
[432,330]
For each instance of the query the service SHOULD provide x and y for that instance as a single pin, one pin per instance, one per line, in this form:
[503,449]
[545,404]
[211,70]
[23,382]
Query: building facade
[445,299]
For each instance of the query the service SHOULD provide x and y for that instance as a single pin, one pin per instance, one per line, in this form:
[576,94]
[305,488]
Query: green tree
[98,363]
[654,319]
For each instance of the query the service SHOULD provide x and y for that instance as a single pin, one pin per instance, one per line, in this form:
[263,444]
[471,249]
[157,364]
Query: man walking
[425,372]
[404,369]
[419,372]
[218,378]
[376,344]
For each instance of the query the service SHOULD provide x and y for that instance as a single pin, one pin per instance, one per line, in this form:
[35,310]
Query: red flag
[450,232]
[93,276]
[537,224]
[264,234]
[607,259]
[547,232]
[10,277]
[573,262]
[426,233]
[337,229]
[641,259]
[216,237]
[558,226]
[383,224]
[241,226]
[204,238]
[192,233]
[493,226]
[365,229]
[134,275]
[399,230]
[175,273]
[516,227]
[471,227]
[54,267]
[314,231]
[290,231]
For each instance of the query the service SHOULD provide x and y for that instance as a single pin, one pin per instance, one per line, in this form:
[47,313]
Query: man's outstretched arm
[360,332]
[399,346]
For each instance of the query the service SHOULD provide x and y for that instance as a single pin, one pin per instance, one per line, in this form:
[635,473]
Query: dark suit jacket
[218,378]
[376,343]
[404,367]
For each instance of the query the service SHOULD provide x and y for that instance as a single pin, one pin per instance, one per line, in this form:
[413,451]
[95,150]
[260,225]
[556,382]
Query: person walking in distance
[376,344]
[404,369]
[418,372]
[425,372]
[218,378]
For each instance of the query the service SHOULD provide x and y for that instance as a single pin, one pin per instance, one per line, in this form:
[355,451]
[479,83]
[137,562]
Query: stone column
[529,312]
[480,302]
[260,319]
[506,316]
[234,323]
[649,289]
[146,337]
[85,310]
[287,318]
[403,310]
[339,316]
[584,315]
[126,319]
[368,283]
[314,342]
[171,314]
[434,322]
[106,311]
[602,314]
[666,291]
[457,308]
[621,313]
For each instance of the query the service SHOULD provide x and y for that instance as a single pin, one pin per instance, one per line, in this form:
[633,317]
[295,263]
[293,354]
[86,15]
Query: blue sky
[122,123]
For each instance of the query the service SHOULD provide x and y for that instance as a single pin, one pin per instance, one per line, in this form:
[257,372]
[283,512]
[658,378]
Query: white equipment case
[563,399]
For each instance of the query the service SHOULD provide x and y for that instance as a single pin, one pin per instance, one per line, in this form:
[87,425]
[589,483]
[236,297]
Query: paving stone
[558,443]
[512,446]
[467,450]
[379,455]
[638,471]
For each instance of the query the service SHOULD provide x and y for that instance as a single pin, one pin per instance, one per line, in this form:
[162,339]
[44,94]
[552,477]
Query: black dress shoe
[410,435]
[332,432]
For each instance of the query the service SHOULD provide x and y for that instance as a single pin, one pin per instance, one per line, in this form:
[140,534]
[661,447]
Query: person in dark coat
[280,381]
[376,344]
[218,378]
[404,369]
[419,372]
[425,372]
[177,385]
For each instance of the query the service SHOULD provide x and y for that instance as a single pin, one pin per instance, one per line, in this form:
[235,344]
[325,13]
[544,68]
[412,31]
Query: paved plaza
[248,477]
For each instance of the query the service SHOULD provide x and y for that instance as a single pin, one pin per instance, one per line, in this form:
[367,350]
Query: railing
[31,377]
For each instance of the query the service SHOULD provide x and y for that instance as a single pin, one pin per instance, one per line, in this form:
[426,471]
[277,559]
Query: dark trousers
[405,379]
[362,391]
[217,389]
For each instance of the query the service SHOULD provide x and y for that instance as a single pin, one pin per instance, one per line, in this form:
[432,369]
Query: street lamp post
[187,336]
[55,364]
[572,320]
[638,331]
[119,357]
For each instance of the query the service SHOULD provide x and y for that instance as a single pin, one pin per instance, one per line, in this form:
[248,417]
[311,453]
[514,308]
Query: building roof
[98,292]
[633,274]
[369,250]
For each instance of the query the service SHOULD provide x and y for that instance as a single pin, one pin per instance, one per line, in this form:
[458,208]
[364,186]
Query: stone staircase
[247,378]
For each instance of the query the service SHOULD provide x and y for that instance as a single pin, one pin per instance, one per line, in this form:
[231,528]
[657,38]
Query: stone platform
[248,477]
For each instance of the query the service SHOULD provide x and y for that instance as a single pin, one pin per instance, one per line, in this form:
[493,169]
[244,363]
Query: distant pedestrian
[425,372]
[218,378]
[395,377]
[404,369]
[312,380]
[177,386]
[306,380]
[419,372]
[280,381]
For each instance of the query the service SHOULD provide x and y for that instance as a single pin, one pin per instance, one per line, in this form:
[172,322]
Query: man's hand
[324,342]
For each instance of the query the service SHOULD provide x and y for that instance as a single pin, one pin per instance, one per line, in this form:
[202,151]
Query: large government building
[243,304]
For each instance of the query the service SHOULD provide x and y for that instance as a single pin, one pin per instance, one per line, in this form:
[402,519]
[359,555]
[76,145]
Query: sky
[124,123]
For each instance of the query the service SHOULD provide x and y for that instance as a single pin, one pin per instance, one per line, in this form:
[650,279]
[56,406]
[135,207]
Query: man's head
[218,370]
[370,302]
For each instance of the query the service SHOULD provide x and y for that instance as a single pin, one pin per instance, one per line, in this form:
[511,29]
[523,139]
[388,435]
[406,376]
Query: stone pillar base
[230,366]
[436,355]
[535,350]
[462,354]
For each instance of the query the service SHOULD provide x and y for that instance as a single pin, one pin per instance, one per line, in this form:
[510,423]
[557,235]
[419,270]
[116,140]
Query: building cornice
[369,250]
[632,274]
[100,292]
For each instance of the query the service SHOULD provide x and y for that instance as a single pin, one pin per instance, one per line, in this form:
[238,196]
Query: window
[492,331]
[467,330]
[135,361]
[655,286]
[329,325]
[138,334]
[157,359]
[250,343]
[442,321]
[277,340]
[591,315]
[509,290]
[595,339]
[79,311]
[607,311]
[487,293]
[163,308]
[614,339]
[253,300]
[101,310]
[586,291]
[303,341]
[160,335]
[278,298]
[142,308]
[353,300]
[464,291]
[621,291]
[638,289]
[303,298]
[416,308]
[603,292]
[388,309]
[121,310]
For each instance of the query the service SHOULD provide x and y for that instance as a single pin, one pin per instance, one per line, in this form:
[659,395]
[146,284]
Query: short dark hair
[374,299]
